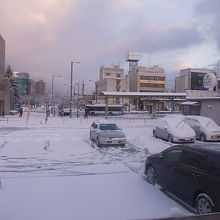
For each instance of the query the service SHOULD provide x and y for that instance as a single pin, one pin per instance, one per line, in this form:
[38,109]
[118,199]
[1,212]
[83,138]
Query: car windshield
[211,123]
[181,124]
[106,127]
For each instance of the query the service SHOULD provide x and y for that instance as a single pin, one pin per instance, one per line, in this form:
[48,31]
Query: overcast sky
[43,36]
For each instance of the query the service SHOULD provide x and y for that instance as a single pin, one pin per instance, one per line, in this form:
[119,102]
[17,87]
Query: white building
[112,79]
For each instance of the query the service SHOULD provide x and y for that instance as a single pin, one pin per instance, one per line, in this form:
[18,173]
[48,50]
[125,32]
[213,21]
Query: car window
[105,127]
[173,155]
[190,122]
[193,159]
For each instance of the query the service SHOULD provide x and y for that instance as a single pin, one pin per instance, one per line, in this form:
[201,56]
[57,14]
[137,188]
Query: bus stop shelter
[144,95]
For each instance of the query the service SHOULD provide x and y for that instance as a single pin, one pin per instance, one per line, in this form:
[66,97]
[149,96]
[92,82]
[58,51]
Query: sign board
[209,80]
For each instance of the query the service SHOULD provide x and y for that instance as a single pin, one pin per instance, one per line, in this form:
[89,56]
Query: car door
[190,174]
[165,132]
[166,166]
[162,129]
[197,129]
[158,128]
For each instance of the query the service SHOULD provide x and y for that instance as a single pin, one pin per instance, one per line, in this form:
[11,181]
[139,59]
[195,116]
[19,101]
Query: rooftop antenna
[148,61]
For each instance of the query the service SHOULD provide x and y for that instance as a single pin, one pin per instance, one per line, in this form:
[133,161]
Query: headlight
[104,138]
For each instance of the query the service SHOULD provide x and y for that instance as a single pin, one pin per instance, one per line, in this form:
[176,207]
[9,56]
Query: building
[204,103]
[144,79]
[5,92]
[112,79]
[191,79]
[2,56]
[31,87]
[40,87]
[22,83]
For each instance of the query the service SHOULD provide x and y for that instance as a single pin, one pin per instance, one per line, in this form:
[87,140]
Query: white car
[174,129]
[206,129]
[106,133]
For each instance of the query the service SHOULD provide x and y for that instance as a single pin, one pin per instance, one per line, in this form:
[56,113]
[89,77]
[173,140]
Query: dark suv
[190,172]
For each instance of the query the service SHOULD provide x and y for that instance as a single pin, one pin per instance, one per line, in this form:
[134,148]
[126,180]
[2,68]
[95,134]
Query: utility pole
[53,99]
[78,91]
[71,86]
[83,88]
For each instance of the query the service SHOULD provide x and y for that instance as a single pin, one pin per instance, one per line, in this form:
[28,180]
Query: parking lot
[53,170]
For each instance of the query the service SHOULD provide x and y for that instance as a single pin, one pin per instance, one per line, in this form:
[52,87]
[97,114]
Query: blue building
[22,82]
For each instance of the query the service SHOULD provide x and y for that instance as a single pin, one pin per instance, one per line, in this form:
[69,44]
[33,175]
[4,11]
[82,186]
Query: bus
[99,109]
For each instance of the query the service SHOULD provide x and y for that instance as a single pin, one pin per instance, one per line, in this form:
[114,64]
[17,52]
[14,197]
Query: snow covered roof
[144,94]
[189,103]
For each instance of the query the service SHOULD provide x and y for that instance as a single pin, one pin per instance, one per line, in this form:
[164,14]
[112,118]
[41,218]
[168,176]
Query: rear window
[105,127]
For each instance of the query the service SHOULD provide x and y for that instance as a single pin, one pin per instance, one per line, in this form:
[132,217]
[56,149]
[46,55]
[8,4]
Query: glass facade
[197,81]
[22,81]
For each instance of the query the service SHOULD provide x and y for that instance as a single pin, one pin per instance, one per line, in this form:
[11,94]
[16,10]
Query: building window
[152,85]
[118,75]
[108,74]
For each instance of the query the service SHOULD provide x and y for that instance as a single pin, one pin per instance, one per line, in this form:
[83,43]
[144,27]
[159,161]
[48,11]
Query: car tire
[92,113]
[150,174]
[110,113]
[204,204]
[154,134]
[202,138]
[170,138]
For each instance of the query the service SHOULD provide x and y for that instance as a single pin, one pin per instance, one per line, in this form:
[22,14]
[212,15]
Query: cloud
[209,15]
[43,36]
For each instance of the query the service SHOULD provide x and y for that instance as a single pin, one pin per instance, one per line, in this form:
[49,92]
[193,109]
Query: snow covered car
[205,128]
[105,133]
[174,129]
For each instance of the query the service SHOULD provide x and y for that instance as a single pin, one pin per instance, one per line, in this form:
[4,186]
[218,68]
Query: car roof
[208,147]
[199,118]
[172,119]
[103,122]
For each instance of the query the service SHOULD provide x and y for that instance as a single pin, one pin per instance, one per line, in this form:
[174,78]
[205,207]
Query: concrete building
[144,79]
[2,57]
[31,87]
[40,87]
[5,92]
[112,79]
[191,79]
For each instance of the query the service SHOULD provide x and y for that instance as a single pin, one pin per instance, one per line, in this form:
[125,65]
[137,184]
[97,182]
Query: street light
[96,89]
[71,85]
[53,100]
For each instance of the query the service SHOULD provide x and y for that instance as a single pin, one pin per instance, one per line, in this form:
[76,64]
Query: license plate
[214,137]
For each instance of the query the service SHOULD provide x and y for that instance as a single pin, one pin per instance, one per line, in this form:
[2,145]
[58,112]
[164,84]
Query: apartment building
[40,87]
[143,79]
[31,87]
[112,79]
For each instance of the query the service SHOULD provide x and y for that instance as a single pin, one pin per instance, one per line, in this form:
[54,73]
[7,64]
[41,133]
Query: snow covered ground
[53,171]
